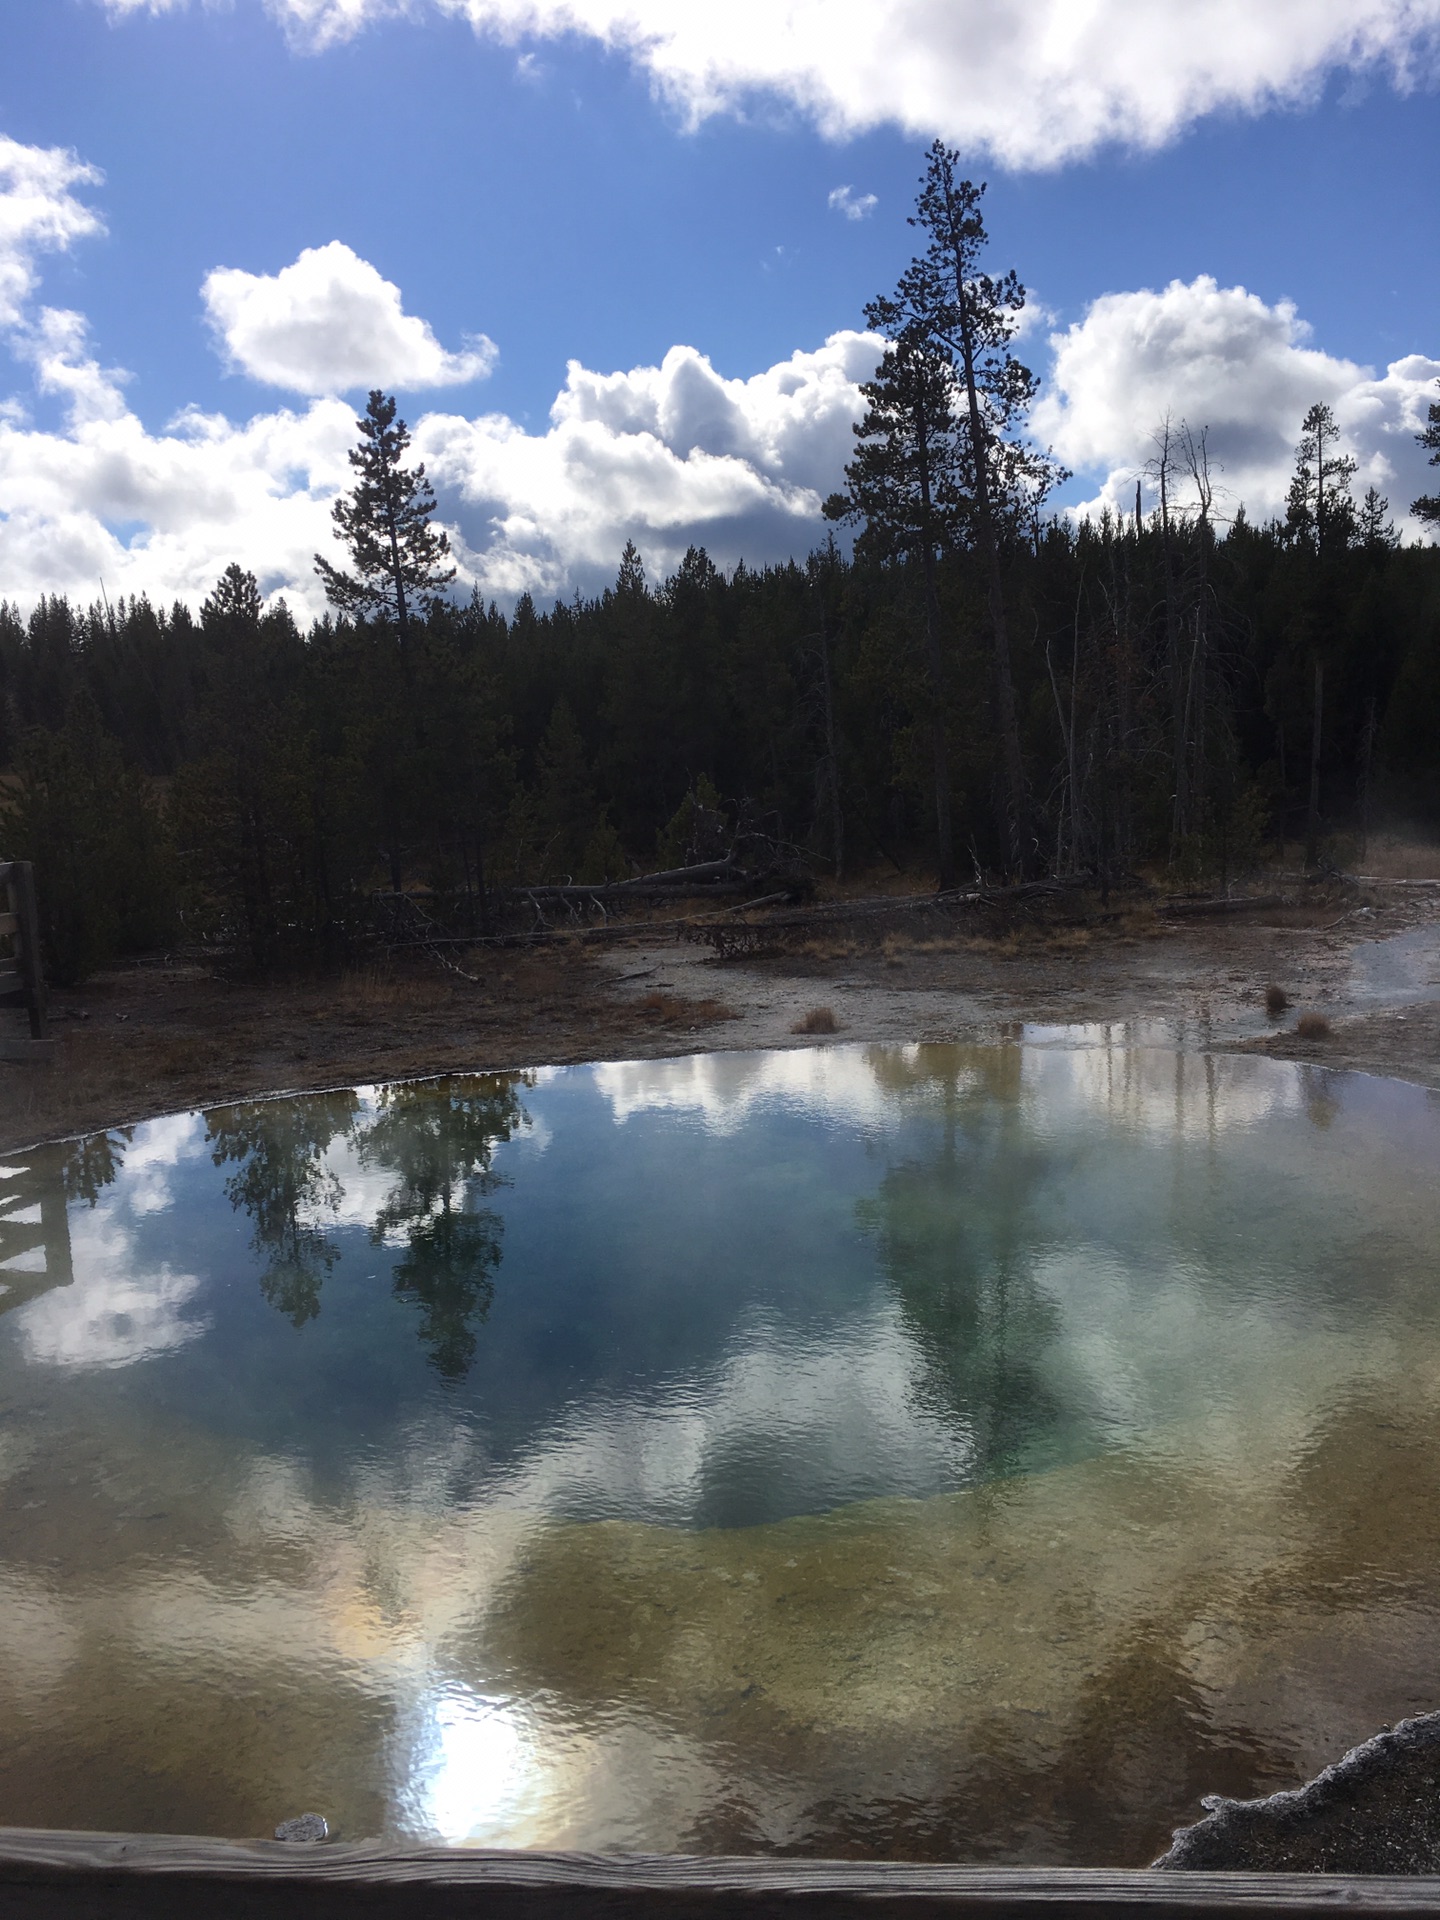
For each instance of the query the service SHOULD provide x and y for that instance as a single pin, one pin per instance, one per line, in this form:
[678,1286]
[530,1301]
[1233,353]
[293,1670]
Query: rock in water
[305,1826]
[1377,1810]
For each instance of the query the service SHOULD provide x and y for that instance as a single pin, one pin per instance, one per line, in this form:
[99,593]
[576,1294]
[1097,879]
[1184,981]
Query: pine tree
[974,315]
[1377,530]
[397,555]
[1320,509]
[243,803]
[1320,515]
[904,484]
[630,581]
[1427,507]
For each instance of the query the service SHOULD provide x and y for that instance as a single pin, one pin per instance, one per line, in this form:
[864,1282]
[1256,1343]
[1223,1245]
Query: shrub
[818,1020]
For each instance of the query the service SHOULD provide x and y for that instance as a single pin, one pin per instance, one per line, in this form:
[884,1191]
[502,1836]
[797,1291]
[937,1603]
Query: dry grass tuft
[818,1020]
[1276,1000]
[1312,1026]
[172,1056]
[381,990]
[674,1010]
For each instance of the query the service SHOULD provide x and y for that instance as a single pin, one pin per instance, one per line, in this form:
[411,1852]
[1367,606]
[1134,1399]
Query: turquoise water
[928,1452]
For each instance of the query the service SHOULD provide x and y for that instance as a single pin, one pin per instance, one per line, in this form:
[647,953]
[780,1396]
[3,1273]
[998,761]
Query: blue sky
[576,201]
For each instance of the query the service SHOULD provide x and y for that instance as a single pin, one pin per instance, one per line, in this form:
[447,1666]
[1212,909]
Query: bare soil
[156,1038]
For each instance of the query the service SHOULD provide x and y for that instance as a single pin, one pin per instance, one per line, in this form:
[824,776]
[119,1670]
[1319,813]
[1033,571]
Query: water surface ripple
[930,1452]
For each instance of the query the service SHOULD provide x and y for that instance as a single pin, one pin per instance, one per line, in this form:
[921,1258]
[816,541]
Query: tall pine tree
[1320,509]
[1427,507]
[904,485]
[397,556]
[973,314]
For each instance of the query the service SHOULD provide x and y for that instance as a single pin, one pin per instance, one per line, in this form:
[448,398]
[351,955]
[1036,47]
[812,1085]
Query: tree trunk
[1180,818]
[936,667]
[1312,821]
[837,818]
[485,927]
[1367,754]
[1005,713]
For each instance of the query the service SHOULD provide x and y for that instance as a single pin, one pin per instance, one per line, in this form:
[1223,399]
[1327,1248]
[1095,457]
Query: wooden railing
[103,1876]
[33,1183]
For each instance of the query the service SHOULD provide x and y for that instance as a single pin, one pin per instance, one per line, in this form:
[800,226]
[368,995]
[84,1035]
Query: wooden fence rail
[104,1876]
[33,1183]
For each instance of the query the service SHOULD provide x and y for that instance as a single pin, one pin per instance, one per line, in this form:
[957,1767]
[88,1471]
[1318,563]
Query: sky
[612,256]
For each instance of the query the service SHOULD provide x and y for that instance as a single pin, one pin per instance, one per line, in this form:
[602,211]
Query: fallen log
[1250,903]
[708,875]
[730,934]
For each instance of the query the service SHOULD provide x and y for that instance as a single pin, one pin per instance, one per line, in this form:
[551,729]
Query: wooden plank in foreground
[100,1876]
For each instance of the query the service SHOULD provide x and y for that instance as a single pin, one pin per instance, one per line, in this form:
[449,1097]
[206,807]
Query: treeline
[1183,696]
[978,687]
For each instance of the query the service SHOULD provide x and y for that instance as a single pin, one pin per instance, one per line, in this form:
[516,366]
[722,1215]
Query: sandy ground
[152,1039]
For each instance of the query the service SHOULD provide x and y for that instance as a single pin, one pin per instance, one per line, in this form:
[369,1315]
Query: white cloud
[330,323]
[854,206]
[1033,82]
[669,455]
[165,513]
[56,345]
[838,1086]
[1219,357]
[115,1311]
[38,213]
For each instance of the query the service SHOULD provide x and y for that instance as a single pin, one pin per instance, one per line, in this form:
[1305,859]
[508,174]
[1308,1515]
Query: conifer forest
[958,681]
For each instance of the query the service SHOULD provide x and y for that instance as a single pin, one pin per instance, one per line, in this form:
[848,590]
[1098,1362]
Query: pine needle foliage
[397,556]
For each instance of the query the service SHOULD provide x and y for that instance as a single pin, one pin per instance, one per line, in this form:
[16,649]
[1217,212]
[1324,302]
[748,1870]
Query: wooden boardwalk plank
[100,1876]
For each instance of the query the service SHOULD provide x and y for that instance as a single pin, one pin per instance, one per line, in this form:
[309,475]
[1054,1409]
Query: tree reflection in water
[90,1164]
[958,1243]
[439,1140]
[283,1183]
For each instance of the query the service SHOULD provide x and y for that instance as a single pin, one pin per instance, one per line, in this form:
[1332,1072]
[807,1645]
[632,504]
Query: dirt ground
[156,1038]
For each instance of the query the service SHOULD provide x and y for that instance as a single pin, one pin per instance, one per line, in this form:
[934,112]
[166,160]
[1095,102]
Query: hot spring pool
[930,1452]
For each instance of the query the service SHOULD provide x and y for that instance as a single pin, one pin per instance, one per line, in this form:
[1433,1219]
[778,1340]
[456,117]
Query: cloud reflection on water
[1097,1394]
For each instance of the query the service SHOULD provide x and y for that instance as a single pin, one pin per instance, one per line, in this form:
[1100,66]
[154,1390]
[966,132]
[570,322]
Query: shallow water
[917,1452]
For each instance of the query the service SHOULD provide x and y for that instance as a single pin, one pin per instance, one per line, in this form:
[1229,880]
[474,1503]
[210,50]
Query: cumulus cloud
[670,456]
[38,213]
[1033,82]
[854,206]
[165,513]
[330,323]
[1221,358]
